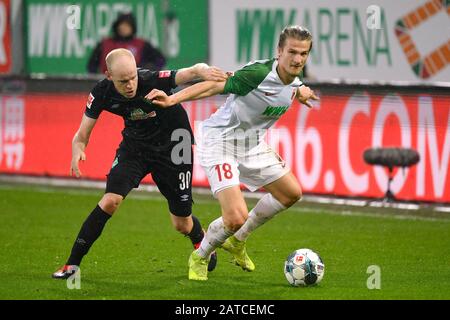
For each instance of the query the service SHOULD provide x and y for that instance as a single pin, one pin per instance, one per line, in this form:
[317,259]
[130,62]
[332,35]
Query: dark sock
[90,231]
[196,234]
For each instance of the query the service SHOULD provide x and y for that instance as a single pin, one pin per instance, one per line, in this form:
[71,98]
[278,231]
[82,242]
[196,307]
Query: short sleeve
[162,80]
[247,79]
[94,104]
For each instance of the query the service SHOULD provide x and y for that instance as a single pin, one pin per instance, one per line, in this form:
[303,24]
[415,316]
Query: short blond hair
[296,32]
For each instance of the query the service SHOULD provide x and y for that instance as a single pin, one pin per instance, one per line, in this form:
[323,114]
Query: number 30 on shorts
[185,180]
[224,171]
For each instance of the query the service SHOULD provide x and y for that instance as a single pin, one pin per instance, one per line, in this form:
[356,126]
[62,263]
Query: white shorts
[257,168]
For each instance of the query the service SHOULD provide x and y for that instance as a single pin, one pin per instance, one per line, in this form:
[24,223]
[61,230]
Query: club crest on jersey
[90,100]
[164,74]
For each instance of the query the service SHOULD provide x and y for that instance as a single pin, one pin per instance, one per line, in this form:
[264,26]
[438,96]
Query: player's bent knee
[292,198]
[182,223]
[297,196]
[182,227]
[110,202]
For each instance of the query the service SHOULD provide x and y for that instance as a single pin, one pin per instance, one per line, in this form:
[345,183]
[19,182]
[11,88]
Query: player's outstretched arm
[200,71]
[194,92]
[79,142]
[304,94]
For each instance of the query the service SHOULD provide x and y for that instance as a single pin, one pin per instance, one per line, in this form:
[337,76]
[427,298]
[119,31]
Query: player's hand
[159,98]
[76,158]
[212,73]
[304,94]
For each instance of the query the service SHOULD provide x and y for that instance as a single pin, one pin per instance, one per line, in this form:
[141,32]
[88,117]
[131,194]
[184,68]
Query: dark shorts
[173,181]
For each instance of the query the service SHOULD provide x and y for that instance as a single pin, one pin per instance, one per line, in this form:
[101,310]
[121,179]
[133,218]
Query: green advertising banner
[60,35]
[364,40]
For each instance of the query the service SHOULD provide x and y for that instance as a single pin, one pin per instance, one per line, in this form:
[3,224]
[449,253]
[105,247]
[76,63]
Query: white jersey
[230,144]
[258,99]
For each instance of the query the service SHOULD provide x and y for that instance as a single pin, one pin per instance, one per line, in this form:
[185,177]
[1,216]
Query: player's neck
[285,77]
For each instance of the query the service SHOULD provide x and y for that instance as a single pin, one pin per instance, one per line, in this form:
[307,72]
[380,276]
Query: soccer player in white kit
[231,150]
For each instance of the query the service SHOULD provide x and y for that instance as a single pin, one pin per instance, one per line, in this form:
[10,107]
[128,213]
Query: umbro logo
[184,197]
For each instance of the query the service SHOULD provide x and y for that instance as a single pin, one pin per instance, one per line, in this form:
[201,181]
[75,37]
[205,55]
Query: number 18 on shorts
[222,176]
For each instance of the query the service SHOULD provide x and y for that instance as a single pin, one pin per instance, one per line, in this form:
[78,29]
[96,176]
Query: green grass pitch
[140,255]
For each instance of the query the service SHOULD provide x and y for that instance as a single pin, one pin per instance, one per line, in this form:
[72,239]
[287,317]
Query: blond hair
[296,32]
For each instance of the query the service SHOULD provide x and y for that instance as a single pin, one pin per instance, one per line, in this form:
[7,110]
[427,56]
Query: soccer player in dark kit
[147,147]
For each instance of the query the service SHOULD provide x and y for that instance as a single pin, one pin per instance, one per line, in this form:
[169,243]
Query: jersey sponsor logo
[139,114]
[277,111]
[90,100]
[164,74]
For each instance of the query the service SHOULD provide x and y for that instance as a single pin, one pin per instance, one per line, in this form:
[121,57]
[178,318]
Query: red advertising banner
[324,146]
[5,37]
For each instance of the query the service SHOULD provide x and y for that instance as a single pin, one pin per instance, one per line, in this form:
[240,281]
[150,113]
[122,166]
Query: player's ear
[108,75]
[279,50]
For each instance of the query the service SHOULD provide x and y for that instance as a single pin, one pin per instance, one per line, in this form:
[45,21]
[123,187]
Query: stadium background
[381,69]
[382,82]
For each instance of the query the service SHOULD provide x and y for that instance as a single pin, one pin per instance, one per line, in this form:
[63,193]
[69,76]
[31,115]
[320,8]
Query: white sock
[214,237]
[266,208]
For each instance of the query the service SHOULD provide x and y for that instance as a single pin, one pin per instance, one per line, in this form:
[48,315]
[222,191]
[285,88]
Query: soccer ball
[304,267]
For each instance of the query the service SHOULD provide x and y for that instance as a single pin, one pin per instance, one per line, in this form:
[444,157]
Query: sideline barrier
[323,145]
